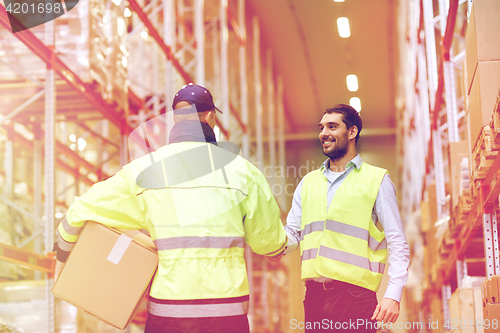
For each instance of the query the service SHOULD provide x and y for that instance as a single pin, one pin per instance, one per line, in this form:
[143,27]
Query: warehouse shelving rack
[69,99]
[433,117]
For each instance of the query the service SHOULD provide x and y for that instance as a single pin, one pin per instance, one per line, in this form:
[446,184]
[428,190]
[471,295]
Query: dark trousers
[232,324]
[342,306]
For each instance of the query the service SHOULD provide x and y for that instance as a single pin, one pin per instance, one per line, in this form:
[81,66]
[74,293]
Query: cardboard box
[457,151]
[463,312]
[108,273]
[492,316]
[478,310]
[494,293]
[485,290]
[482,36]
[482,98]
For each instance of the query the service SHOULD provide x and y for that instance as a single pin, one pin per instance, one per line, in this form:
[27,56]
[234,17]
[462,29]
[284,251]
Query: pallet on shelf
[483,156]
[485,151]
[446,243]
[495,120]
[491,307]
[460,213]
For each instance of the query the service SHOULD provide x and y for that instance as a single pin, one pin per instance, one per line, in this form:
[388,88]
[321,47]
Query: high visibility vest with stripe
[200,206]
[342,242]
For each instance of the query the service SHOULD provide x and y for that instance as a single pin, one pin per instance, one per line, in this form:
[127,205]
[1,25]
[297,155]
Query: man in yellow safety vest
[345,216]
[200,203]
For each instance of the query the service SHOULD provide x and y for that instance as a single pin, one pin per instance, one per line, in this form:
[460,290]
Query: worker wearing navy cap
[200,203]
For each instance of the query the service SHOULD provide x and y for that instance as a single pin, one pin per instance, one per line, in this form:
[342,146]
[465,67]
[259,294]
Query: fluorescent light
[72,138]
[116,2]
[144,34]
[127,12]
[81,144]
[343,25]
[338,0]
[352,82]
[355,102]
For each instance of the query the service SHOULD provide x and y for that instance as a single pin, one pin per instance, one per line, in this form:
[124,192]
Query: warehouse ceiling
[314,60]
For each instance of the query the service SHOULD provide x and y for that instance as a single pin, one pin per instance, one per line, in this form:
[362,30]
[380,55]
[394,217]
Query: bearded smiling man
[345,217]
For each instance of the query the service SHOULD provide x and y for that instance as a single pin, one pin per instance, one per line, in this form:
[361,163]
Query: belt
[327,285]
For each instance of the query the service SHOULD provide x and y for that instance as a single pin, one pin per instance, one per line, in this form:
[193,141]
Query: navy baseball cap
[196,95]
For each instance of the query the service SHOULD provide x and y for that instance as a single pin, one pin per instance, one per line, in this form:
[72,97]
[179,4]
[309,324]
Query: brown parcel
[481,39]
[106,274]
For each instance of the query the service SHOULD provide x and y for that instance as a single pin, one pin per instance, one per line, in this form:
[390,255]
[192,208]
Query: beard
[340,148]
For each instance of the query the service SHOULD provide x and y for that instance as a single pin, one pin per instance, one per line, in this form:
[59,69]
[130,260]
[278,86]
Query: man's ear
[353,132]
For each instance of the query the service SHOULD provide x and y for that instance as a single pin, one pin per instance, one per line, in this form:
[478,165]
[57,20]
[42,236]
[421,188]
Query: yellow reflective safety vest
[342,242]
[199,213]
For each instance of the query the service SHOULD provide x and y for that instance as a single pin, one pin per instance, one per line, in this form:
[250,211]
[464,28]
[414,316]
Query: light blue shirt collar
[356,161]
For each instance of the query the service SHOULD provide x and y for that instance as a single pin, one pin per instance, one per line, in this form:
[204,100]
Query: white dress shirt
[385,211]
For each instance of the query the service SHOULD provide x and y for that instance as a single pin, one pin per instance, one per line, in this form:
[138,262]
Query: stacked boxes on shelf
[490,292]
[465,311]
[483,84]
[107,51]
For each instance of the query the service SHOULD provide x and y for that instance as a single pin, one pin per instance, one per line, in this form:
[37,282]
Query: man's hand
[387,311]
[57,270]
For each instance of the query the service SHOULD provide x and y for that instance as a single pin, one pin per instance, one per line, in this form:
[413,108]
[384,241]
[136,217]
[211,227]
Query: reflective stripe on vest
[198,310]
[62,244]
[309,254]
[351,259]
[75,231]
[312,227]
[351,230]
[345,229]
[199,242]
[345,257]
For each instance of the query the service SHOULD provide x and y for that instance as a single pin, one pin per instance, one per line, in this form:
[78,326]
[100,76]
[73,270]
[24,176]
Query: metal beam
[243,78]
[271,109]
[50,170]
[258,92]
[27,258]
[199,32]
[224,63]
[281,139]
[237,25]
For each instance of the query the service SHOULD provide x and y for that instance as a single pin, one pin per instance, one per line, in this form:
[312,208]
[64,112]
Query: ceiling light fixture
[352,82]
[144,34]
[127,12]
[355,102]
[81,144]
[343,26]
[338,0]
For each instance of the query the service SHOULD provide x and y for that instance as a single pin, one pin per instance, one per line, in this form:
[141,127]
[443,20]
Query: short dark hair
[350,116]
